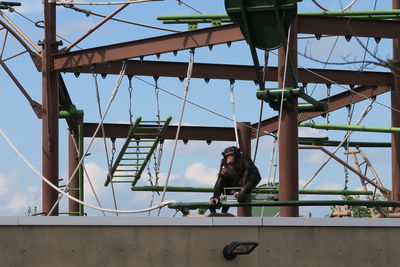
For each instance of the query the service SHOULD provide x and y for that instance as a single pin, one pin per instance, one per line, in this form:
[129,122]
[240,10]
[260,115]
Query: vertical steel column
[73,160]
[288,136]
[395,103]
[50,111]
[245,147]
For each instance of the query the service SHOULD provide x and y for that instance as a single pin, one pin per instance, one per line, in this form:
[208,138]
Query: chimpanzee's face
[230,158]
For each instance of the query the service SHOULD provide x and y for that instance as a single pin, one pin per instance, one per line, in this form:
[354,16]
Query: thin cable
[87,174]
[163,204]
[265,68]
[232,100]
[71,2]
[88,12]
[201,107]
[282,96]
[186,90]
[114,93]
[180,2]
[343,9]
[104,137]
[363,115]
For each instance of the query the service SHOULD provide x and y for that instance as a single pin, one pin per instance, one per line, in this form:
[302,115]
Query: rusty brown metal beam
[218,35]
[348,26]
[187,132]
[336,102]
[235,72]
[149,46]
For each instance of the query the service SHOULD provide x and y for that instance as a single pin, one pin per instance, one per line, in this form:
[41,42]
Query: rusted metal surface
[186,133]
[235,72]
[336,102]
[288,132]
[395,104]
[149,46]
[218,35]
[50,98]
[348,27]
[245,147]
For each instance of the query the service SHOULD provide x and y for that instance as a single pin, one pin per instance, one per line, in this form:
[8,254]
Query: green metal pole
[202,18]
[255,191]
[366,203]
[80,171]
[357,128]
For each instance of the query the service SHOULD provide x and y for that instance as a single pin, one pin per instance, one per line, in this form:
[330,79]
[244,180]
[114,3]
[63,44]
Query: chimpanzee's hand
[241,197]
[214,200]
[223,170]
[236,195]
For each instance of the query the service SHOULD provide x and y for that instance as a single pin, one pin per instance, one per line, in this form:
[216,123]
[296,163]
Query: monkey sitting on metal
[235,171]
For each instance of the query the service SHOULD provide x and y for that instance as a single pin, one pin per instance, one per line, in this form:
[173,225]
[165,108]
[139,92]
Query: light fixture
[239,248]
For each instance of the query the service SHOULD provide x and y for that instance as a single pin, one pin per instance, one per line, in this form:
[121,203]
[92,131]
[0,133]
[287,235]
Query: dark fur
[241,173]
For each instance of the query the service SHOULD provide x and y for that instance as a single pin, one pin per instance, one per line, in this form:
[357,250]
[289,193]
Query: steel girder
[218,35]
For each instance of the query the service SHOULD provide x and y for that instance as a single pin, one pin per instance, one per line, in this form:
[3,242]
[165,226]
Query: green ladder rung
[139,146]
[132,138]
[113,181]
[153,121]
[124,176]
[150,127]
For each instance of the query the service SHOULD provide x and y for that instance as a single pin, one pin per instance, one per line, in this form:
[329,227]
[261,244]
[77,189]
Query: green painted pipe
[351,127]
[208,18]
[7,3]
[258,190]
[366,203]
[351,144]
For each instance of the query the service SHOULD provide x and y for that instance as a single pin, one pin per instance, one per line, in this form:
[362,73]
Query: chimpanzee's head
[231,154]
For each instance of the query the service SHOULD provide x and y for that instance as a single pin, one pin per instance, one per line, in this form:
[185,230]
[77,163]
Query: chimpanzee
[235,171]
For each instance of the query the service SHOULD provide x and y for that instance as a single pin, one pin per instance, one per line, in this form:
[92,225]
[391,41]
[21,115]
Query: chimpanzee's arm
[251,177]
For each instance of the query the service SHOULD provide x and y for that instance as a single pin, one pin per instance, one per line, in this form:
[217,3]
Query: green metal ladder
[142,140]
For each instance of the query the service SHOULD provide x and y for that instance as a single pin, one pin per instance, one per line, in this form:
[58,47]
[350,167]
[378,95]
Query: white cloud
[310,132]
[199,172]
[314,158]
[18,203]
[97,177]
[6,183]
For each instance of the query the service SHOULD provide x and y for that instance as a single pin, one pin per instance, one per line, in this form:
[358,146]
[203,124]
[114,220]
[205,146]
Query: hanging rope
[350,111]
[112,97]
[188,78]
[130,90]
[264,70]
[157,156]
[363,115]
[232,100]
[62,192]
[109,164]
[275,151]
[86,173]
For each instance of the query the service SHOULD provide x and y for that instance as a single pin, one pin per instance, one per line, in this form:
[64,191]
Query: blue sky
[196,163]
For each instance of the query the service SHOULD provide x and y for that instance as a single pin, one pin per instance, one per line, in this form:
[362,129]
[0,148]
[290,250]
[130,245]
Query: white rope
[104,137]
[188,78]
[87,174]
[343,9]
[162,204]
[114,93]
[232,100]
[363,115]
[71,2]
[281,104]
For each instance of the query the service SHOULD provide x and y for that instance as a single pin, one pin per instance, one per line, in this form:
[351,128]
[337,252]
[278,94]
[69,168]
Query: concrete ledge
[198,221]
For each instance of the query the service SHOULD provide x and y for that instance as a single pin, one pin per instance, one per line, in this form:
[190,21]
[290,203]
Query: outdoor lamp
[239,248]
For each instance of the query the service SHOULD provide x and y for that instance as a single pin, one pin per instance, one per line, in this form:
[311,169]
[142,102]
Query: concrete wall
[172,242]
